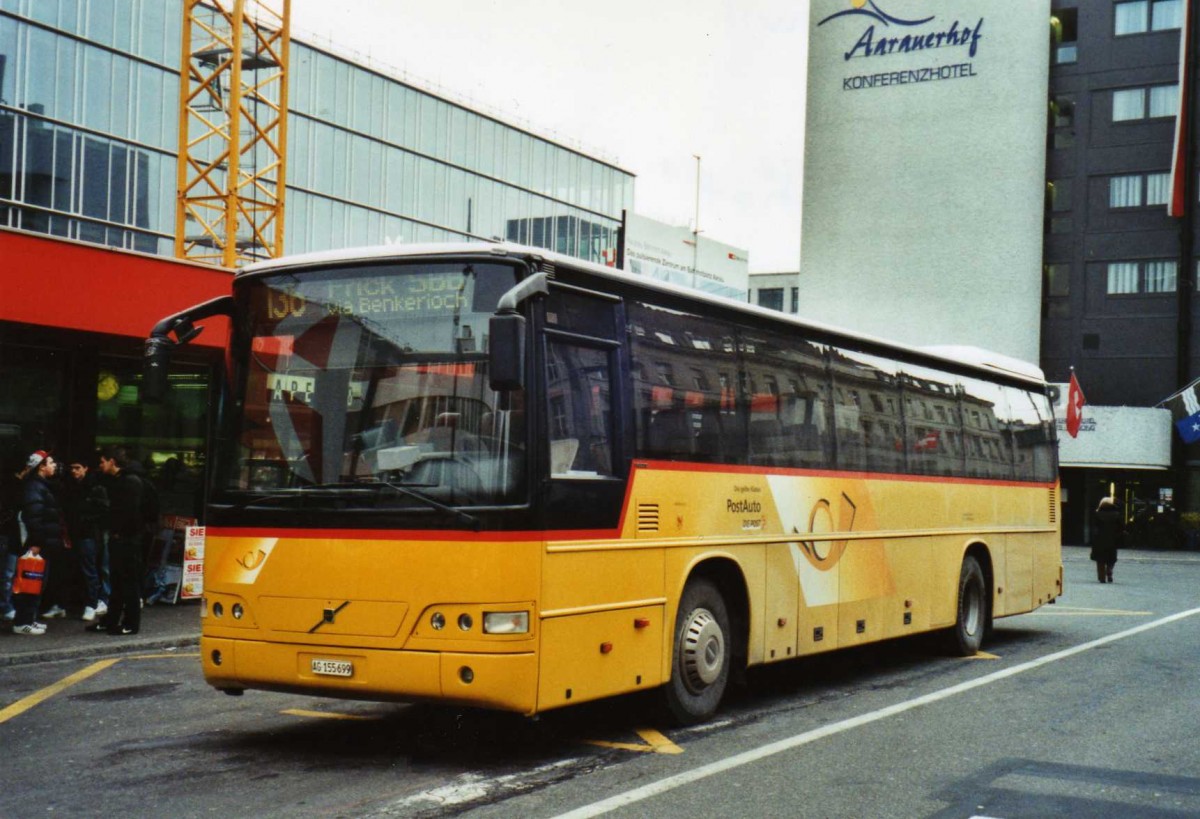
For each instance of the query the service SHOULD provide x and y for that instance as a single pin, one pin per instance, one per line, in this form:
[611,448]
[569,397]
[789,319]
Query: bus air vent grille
[1054,506]
[647,517]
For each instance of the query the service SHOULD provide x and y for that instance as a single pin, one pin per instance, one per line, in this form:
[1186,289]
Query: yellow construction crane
[232,131]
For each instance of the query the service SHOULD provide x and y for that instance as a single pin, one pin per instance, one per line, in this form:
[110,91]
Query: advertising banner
[670,253]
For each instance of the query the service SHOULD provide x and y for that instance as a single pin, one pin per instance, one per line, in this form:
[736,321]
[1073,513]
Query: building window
[1059,191]
[1145,103]
[1164,101]
[1136,190]
[795,299]
[1157,185]
[1066,27]
[1126,278]
[1125,191]
[1062,122]
[771,298]
[1140,16]
[1058,280]
[1062,109]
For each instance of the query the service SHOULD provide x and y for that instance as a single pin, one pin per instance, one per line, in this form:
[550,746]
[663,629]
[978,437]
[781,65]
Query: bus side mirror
[154,368]
[157,355]
[506,351]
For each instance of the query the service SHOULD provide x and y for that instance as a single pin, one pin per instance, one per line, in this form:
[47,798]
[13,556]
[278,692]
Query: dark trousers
[57,588]
[125,566]
[89,569]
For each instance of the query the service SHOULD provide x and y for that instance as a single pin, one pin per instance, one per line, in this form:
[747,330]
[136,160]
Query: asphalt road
[1087,708]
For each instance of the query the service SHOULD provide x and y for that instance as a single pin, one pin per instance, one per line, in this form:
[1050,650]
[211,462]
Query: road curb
[99,650]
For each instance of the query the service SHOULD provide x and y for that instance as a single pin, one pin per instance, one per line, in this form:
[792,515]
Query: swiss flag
[1075,402]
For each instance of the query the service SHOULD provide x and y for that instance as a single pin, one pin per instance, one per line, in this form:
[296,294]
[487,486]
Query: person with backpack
[126,543]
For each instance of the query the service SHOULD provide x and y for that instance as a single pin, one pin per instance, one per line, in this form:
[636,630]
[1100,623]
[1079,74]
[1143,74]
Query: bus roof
[956,355]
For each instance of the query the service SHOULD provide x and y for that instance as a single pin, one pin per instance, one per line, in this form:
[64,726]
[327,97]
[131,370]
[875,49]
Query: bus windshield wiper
[408,491]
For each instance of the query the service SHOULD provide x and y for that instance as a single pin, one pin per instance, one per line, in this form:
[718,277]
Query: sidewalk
[163,626]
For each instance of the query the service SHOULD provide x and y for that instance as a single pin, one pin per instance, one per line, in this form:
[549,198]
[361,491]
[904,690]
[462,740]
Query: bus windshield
[368,385]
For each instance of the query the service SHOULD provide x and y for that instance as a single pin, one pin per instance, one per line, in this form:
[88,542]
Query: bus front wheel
[701,654]
[973,613]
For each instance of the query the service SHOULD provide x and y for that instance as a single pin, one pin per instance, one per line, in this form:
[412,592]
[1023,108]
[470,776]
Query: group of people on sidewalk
[87,529]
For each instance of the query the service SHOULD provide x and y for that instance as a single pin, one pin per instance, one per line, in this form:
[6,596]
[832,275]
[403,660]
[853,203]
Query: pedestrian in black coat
[126,495]
[45,529]
[1106,536]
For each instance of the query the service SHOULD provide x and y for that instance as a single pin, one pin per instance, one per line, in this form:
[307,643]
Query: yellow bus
[496,476]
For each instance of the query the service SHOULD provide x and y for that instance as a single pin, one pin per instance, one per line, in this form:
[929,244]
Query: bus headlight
[506,622]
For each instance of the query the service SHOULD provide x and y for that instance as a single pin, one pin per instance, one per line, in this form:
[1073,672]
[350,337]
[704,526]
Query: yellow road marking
[38,697]
[656,743]
[982,655]
[300,712]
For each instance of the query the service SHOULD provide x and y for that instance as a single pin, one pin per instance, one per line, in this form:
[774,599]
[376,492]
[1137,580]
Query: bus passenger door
[803,576]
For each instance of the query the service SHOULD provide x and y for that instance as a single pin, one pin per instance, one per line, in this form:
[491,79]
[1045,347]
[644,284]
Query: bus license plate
[333,668]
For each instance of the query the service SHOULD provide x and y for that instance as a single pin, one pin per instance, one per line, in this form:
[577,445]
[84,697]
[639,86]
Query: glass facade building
[89,141]
[89,103]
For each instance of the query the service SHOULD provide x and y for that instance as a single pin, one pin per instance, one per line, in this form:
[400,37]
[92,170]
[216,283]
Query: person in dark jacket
[87,517]
[12,488]
[126,537]
[45,527]
[1106,535]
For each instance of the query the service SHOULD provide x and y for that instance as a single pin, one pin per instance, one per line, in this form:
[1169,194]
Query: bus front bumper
[506,682]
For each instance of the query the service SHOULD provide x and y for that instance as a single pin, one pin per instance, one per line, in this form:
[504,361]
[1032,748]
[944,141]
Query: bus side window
[580,400]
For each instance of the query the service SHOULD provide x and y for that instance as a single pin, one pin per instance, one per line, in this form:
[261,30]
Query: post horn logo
[825,554]
[252,560]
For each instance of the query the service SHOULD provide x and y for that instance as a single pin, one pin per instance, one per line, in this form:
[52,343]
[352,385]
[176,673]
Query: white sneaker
[101,609]
[33,629]
[10,615]
[54,611]
[89,614]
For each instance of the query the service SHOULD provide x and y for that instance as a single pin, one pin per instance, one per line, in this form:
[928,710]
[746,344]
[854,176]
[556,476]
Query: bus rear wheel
[973,617]
[701,654]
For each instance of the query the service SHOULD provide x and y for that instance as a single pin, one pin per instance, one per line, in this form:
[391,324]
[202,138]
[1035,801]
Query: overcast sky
[644,83]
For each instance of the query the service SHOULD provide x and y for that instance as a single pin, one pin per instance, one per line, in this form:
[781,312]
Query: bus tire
[701,654]
[973,614]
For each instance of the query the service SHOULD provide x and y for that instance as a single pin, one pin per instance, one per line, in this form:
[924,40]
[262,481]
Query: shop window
[168,438]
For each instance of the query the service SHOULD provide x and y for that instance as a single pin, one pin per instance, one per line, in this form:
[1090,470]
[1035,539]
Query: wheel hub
[703,650]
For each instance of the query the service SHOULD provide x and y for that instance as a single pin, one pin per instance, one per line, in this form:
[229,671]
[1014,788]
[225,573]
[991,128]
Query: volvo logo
[328,614]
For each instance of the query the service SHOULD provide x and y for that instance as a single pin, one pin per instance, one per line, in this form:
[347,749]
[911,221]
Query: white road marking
[746,757]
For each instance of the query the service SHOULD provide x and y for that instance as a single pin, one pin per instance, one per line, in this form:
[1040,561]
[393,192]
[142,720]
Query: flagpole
[1188,56]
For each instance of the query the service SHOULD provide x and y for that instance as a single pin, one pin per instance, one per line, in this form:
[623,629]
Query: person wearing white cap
[45,524]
